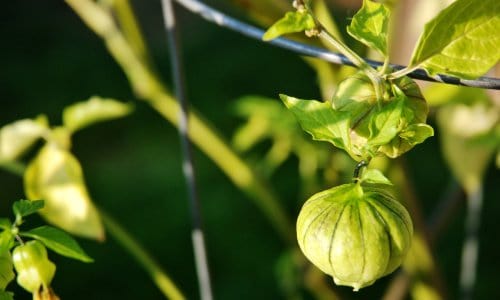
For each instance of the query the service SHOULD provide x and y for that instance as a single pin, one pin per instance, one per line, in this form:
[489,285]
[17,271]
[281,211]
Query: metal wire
[187,163]
[212,15]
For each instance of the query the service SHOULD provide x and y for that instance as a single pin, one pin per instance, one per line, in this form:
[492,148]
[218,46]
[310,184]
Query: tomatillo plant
[29,258]
[359,232]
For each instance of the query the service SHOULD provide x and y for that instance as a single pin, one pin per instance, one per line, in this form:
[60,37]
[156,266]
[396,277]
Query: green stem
[13,167]
[130,28]
[159,276]
[355,59]
[402,72]
[148,87]
[362,164]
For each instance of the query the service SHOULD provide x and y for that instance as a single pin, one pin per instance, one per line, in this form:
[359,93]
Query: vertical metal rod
[200,256]
[470,249]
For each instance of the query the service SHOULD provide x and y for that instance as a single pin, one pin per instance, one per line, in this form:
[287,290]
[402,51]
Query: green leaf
[6,241]
[94,110]
[56,176]
[370,26]
[374,176]
[321,121]
[385,124]
[417,133]
[5,223]
[58,241]
[461,41]
[17,137]
[6,270]
[296,21]
[23,208]
[5,295]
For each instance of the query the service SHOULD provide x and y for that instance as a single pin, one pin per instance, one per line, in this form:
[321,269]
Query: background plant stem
[134,248]
[158,275]
[417,274]
[148,87]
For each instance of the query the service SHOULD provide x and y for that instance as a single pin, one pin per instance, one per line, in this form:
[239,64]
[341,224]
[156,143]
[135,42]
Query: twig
[188,165]
[212,15]
[148,88]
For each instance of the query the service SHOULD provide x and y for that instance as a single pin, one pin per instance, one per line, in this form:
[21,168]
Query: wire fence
[214,16]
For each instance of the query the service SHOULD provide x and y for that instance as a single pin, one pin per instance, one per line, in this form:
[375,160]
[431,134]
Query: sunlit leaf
[296,21]
[58,241]
[94,110]
[6,241]
[374,176]
[23,208]
[417,133]
[17,137]
[370,26]
[385,124]
[321,121]
[6,270]
[5,223]
[462,40]
[56,176]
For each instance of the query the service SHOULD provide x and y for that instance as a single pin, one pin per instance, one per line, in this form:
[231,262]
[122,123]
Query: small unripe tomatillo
[32,265]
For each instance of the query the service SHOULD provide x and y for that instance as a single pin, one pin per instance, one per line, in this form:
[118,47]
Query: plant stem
[362,164]
[159,276]
[13,167]
[148,87]
[355,59]
[402,72]
[129,27]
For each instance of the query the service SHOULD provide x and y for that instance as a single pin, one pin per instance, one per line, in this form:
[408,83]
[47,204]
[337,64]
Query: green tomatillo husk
[33,267]
[355,233]
[391,124]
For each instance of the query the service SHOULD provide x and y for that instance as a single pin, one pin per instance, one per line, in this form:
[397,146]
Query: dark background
[49,59]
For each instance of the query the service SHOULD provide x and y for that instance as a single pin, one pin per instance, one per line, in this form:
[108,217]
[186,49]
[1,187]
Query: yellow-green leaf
[370,26]
[17,137]
[94,110]
[55,176]
[59,242]
[320,120]
[296,21]
[463,40]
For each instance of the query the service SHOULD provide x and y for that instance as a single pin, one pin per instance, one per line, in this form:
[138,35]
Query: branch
[212,15]
[149,88]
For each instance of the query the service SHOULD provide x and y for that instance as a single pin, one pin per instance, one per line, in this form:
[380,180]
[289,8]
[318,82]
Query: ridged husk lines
[354,233]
